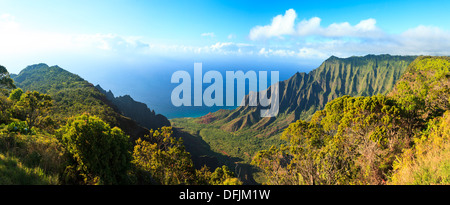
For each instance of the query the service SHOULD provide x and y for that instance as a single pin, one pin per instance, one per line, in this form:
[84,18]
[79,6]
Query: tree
[354,140]
[160,158]
[15,94]
[164,157]
[427,162]
[5,109]
[100,153]
[220,176]
[32,106]
[5,81]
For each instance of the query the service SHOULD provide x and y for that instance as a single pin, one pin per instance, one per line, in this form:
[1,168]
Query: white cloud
[220,45]
[364,29]
[211,35]
[302,53]
[231,48]
[426,39]
[284,25]
[109,42]
[15,39]
[312,40]
[8,23]
[18,40]
[281,25]
[309,27]
[311,53]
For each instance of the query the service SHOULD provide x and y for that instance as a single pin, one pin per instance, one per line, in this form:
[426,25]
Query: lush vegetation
[71,94]
[166,160]
[13,172]
[401,138]
[57,128]
[427,162]
[237,135]
[354,140]
[99,153]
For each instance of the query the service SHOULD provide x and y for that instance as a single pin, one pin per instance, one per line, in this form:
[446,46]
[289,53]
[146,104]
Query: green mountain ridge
[136,110]
[304,93]
[73,96]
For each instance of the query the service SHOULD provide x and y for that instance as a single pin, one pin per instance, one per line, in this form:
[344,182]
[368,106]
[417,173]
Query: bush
[427,162]
[354,140]
[100,153]
[164,157]
[20,127]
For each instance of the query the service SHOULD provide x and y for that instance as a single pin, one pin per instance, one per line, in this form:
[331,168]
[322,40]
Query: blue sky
[138,42]
[171,26]
[186,20]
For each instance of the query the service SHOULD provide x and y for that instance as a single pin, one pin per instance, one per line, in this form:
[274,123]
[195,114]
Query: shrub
[20,127]
[164,157]
[427,162]
[100,153]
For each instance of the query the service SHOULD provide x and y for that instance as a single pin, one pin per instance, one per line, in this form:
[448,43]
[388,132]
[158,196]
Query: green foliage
[32,107]
[71,94]
[36,149]
[165,160]
[164,157]
[220,176]
[20,127]
[372,140]
[45,79]
[37,154]
[352,141]
[5,109]
[273,162]
[5,80]
[100,153]
[16,94]
[424,89]
[427,162]
[240,145]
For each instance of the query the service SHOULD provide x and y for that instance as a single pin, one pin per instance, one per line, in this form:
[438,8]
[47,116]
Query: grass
[430,169]
[35,159]
[13,172]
